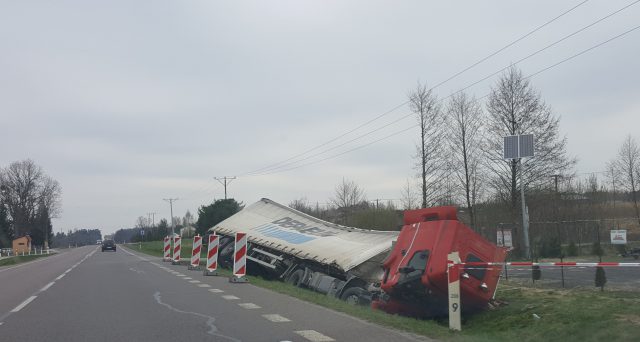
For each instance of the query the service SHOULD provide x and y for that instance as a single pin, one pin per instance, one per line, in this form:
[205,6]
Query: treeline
[79,237]
[208,216]
[29,199]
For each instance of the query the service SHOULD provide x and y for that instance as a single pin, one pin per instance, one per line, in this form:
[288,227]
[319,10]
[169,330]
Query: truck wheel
[355,296]
[295,278]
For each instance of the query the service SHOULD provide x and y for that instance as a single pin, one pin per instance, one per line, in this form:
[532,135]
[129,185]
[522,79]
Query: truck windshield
[475,271]
[418,261]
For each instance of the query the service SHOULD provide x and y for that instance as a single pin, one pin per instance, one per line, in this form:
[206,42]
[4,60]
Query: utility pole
[171,200]
[224,181]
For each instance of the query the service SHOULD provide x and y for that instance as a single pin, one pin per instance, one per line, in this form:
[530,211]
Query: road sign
[511,147]
[504,238]
[142,232]
[619,237]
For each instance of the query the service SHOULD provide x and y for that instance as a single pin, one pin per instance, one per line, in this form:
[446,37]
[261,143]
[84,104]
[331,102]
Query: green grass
[20,259]
[565,315]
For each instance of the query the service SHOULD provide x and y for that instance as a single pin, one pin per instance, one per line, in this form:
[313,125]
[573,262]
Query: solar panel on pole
[511,147]
[526,145]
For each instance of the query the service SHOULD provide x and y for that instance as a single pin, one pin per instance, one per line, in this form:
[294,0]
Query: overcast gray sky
[129,102]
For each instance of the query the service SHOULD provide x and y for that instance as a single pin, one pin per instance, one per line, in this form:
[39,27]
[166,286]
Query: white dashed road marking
[187,278]
[23,304]
[204,285]
[194,281]
[276,318]
[46,287]
[230,297]
[216,290]
[249,306]
[61,276]
[314,336]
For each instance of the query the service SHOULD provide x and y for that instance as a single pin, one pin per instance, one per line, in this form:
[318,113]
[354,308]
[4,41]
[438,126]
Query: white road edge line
[313,335]
[61,276]
[46,287]
[23,304]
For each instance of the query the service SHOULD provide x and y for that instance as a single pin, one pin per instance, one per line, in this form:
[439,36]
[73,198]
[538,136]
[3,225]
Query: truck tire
[355,296]
[295,278]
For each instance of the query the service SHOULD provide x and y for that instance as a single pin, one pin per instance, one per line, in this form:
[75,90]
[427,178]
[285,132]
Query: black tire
[356,296]
[295,278]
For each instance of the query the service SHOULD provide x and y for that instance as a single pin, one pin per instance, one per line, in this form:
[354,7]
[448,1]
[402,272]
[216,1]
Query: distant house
[188,231]
[22,245]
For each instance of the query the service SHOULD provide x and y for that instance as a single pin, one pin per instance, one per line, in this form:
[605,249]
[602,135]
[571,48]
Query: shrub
[572,250]
[601,278]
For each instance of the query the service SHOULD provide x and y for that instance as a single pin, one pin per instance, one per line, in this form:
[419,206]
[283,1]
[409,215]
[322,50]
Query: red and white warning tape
[551,264]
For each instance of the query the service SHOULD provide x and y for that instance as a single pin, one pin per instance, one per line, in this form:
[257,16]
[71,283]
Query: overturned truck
[402,272]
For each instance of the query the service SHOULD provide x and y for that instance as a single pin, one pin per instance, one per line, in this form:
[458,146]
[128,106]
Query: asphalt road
[87,295]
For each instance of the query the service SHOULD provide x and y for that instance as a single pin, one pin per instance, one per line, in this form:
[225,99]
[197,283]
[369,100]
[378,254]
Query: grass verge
[560,315]
[20,259]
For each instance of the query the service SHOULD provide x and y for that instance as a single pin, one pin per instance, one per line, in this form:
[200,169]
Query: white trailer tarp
[289,231]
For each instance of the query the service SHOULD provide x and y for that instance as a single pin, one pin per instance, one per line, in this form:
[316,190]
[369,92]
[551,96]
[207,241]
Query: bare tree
[514,108]
[50,196]
[187,219]
[430,160]
[28,193]
[613,178]
[302,205]
[347,194]
[464,118]
[408,197]
[628,166]
[142,222]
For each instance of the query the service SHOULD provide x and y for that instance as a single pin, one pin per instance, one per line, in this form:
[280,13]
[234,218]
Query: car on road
[633,252]
[108,245]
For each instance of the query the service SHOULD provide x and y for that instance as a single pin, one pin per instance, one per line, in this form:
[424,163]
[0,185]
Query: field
[528,314]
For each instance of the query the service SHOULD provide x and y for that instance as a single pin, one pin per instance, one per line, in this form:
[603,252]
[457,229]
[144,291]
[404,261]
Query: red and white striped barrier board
[212,255]
[176,249]
[240,259]
[195,253]
[167,249]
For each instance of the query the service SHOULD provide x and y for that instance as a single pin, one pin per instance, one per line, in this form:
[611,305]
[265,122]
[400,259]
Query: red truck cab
[415,272]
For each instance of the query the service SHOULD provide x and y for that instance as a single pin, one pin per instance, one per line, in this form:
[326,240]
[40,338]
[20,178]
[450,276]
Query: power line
[329,141]
[343,153]
[289,161]
[404,130]
[550,45]
[509,45]
[337,146]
